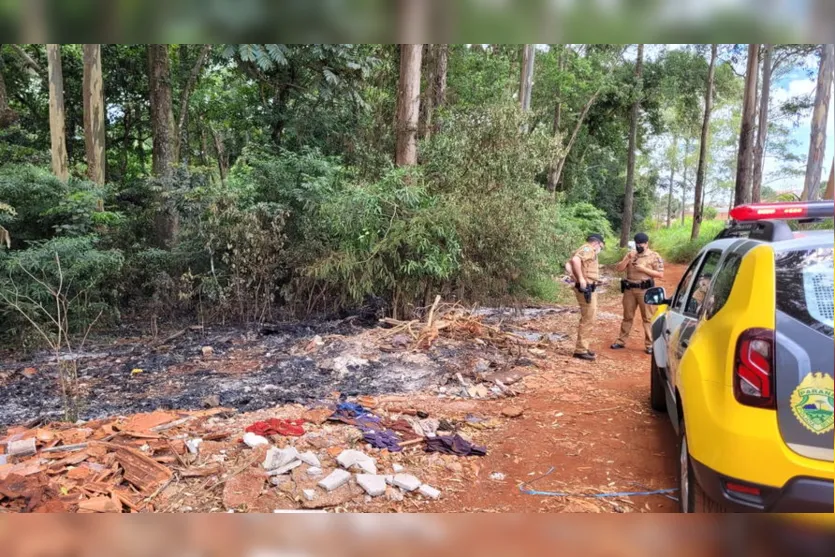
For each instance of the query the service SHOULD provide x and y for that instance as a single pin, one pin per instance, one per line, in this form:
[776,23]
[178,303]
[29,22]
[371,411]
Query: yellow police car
[743,364]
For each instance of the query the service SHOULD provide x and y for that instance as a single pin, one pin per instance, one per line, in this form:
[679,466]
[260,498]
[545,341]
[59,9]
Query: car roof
[807,239]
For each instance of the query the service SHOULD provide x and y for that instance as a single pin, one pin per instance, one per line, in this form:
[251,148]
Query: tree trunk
[185,95]
[7,115]
[57,130]
[626,223]
[93,113]
[703,146]
[817,138]
[441,67]
[672,181]
[526,79]
[556,173]
[745,156]
[428,96]
[684,180]
[830,185]
[762,124]
[555,129]
[164,150]
[408,104]
[222,161]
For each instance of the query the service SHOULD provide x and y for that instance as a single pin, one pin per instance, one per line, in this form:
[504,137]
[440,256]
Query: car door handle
[685,343]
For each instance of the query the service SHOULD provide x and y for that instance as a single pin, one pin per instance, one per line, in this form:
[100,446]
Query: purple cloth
[454,445]
[382,440]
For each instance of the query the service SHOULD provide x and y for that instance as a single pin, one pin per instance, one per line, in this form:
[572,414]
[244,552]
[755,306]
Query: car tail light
[754,368]
[784,211]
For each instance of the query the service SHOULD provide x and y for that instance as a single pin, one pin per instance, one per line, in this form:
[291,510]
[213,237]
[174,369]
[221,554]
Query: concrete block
[314,471]
[310,459]
[406,482]
[284,469]
[309,494]
[373,485]
[355,459]
[277,458]
[429,491]
[335,480]
[397,468]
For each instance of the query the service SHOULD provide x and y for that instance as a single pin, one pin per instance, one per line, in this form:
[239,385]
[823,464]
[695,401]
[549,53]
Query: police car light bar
[784,211]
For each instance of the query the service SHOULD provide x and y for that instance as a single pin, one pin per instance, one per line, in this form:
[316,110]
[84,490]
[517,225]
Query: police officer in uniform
[583,265]
[642,267]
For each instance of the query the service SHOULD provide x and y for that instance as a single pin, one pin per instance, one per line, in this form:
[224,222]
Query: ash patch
[247,370]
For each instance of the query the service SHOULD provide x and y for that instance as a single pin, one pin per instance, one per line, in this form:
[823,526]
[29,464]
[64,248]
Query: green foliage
[46,207]
[71,270]
[389,238]
[674,243]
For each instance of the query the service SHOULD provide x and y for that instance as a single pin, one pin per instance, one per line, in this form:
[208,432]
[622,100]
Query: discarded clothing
[354,414]
[454,445]
[350,410]
[402,427]
[275,426]
[383,440]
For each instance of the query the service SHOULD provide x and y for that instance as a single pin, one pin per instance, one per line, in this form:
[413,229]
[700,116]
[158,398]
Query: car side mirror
[656,296]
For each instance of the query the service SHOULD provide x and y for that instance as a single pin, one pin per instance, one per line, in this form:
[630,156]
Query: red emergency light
[784,211]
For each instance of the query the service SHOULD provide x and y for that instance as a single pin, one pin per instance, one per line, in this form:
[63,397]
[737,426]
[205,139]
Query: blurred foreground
[406,535]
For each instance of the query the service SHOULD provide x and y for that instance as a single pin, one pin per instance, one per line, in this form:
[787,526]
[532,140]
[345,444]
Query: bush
[61,286]
[674,243]
[46,207]
[389,238]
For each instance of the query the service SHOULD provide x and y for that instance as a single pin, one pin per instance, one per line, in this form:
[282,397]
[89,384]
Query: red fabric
[274,426]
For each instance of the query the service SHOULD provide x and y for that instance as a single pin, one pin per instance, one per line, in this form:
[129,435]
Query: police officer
[642,266]
[583,265]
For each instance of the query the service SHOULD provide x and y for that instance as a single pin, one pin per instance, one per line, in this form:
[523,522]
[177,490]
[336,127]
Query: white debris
[284,469]
[309,494]
[394,494]
[193,445]
[277,458]
[252,440]
[314,471]
[497,476]
[350,458]
[373,485]
[341,364]
[429,491]
[397,468]
[310,459]
[406,482]
[25,447]
[334,480]
[389,479]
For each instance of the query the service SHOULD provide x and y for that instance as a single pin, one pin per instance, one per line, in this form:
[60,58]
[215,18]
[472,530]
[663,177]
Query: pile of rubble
[334,454]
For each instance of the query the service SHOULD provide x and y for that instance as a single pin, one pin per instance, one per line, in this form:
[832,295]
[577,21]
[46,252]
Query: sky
[800,81]
[793,84]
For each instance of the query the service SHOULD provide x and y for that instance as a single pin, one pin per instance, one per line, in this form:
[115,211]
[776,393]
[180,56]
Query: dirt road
[589,422]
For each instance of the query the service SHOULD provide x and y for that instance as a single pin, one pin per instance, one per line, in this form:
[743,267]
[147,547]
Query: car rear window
[805,287]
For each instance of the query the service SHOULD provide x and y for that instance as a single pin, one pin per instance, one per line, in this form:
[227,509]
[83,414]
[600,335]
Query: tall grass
[674,243]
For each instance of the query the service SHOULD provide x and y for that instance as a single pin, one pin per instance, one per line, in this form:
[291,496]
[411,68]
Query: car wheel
[692,498]
[657,396]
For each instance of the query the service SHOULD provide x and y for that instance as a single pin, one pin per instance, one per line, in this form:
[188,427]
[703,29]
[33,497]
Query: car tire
[657,396]
[692,498]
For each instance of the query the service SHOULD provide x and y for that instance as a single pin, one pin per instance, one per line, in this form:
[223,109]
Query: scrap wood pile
[454,321]
[113,465]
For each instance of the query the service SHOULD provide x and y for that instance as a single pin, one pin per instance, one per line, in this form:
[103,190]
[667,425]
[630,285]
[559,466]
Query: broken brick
[244,488]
